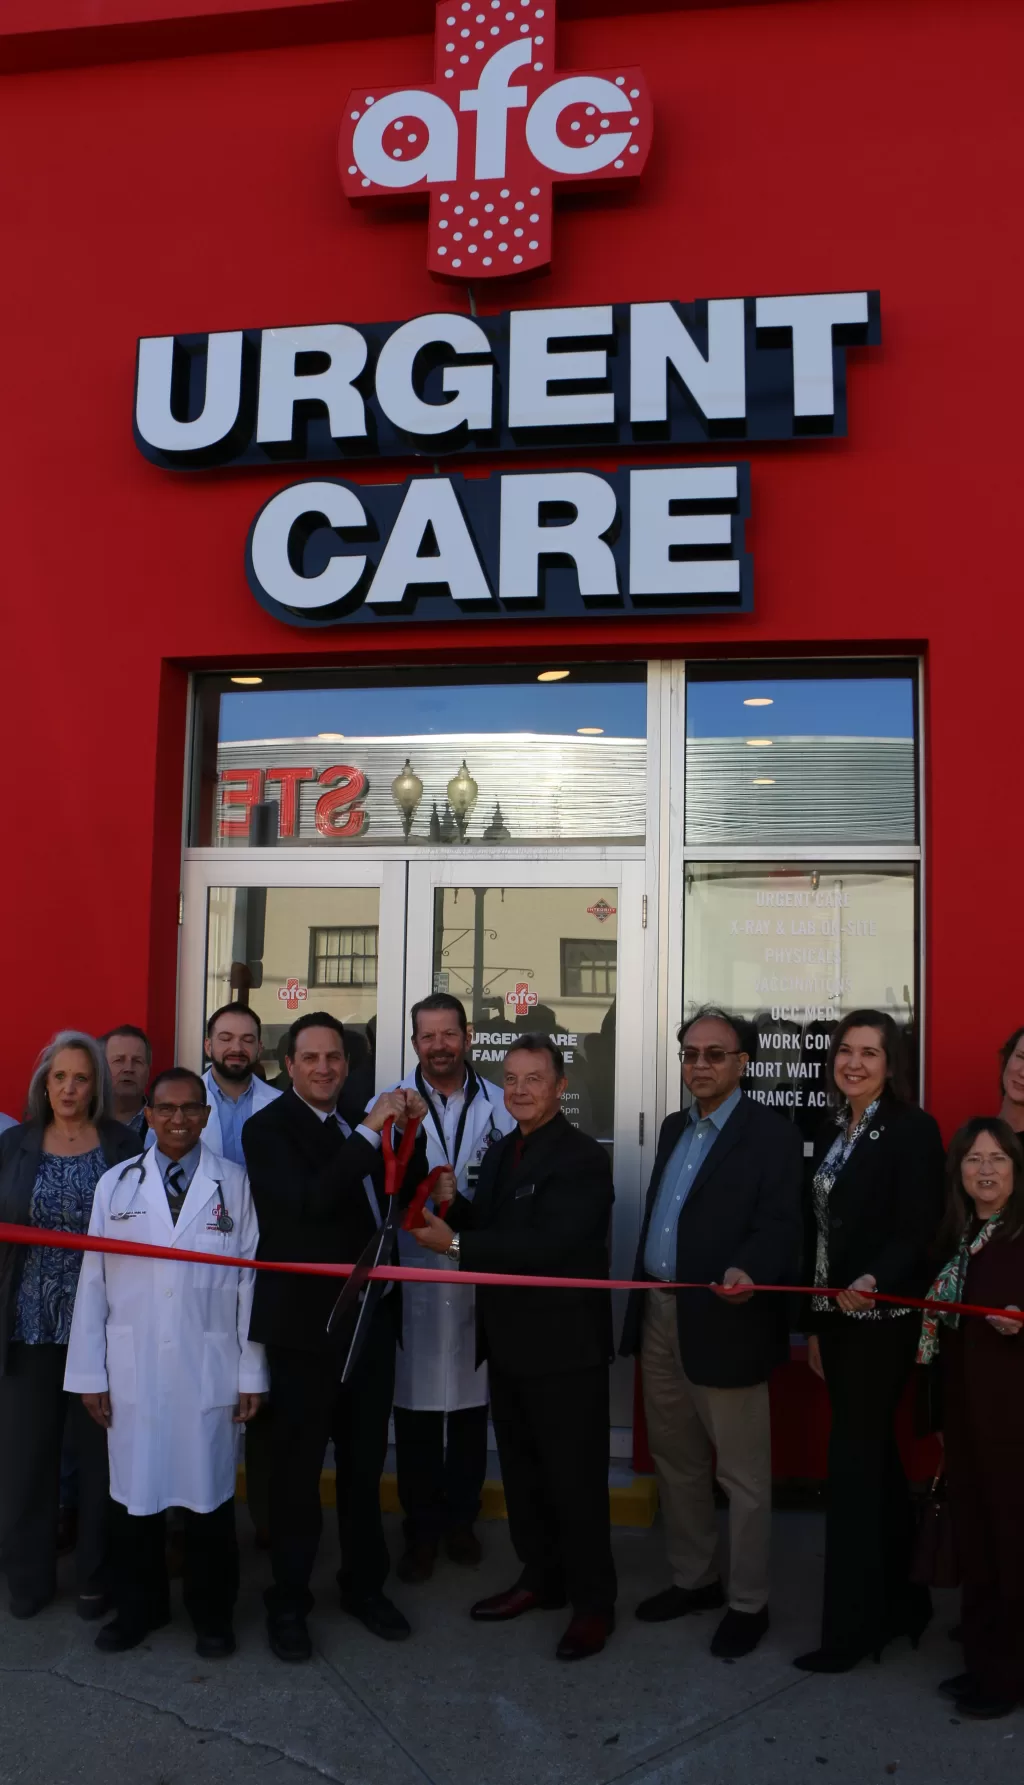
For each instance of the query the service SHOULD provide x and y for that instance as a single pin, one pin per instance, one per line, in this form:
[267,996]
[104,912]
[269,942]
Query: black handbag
[935,1561]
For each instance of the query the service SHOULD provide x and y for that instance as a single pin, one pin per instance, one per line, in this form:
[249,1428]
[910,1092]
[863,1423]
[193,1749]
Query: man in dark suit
[542,1207]
[317,1185]
[723,1208]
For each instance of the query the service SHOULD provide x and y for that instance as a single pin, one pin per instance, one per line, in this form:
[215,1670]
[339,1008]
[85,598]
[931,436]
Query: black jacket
[20,1151]
[311,1204]
[547,1217]
[884,1208]
[743,1210]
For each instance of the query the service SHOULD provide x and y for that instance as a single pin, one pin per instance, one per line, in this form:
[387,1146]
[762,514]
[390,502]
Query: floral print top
[824,1178]
[62,1197]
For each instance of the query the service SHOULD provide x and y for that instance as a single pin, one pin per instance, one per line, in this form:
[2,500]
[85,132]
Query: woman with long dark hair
[873,1211]
[1011,1057]
[50,1165]
[982,1241]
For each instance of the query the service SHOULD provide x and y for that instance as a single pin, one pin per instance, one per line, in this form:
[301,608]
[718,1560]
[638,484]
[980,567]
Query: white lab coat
[436,1368]
[169,1342]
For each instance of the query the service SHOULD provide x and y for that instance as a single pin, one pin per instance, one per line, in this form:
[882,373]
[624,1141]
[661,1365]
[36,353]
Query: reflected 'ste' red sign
[337,812]
[490,139]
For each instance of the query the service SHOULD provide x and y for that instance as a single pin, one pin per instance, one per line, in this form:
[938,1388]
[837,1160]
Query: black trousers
[552,1434]
[257,1466]
[440,1471]
[309,1406]
[209,1575]
[869,1529]
[34,1412]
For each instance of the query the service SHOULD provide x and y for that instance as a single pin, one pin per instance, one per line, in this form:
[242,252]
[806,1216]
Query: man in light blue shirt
[691,1150]
[233,1041]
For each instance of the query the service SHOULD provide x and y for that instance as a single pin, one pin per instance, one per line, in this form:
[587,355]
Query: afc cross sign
[496,132]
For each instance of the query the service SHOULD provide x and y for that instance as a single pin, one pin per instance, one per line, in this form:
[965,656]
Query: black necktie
[174,1184]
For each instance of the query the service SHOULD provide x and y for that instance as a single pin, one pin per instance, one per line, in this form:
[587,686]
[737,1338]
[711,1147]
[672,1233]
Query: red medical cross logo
[292,994]
[522,1000]
[493,136]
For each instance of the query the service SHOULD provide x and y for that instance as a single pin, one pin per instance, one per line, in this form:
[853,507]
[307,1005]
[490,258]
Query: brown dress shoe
[512,1604]
[586,1636]
[417,1563]
[463,1546]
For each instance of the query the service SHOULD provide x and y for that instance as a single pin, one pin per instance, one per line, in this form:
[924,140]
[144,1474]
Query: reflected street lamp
[407,791]
[462,797]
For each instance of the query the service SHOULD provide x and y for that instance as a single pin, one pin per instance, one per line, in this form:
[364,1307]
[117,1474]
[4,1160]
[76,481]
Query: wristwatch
[453,1250]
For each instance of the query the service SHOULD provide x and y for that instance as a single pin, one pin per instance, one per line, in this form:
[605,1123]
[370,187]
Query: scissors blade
[374,1290]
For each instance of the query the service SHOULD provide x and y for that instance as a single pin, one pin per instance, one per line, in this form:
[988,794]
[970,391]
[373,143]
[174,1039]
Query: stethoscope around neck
[225,1224]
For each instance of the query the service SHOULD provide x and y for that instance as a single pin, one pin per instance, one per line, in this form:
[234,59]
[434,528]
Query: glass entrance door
[554,946]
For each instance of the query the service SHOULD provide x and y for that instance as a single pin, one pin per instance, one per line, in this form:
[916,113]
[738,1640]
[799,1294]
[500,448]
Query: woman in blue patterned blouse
[50,1165]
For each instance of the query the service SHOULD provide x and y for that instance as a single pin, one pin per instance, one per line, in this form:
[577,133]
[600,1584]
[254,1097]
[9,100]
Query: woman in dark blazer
[873,1210]
[982,1363]
[50,1165]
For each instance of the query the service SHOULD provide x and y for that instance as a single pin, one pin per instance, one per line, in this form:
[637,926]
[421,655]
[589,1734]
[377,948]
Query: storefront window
[354,759]
[794,948]
[791,754]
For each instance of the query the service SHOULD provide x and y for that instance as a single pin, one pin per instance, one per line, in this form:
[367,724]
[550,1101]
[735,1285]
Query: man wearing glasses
[723,1209]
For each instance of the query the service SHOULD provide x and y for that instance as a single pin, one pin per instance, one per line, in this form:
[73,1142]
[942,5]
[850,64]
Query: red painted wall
[799,147]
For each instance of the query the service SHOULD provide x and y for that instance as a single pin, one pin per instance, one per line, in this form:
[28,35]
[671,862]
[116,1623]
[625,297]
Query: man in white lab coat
[440,1394]
[160,1354]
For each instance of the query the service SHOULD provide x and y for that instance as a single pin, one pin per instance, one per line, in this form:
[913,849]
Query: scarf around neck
[948,1287]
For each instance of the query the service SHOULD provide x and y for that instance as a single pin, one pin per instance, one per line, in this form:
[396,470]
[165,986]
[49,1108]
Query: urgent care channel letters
[354,383]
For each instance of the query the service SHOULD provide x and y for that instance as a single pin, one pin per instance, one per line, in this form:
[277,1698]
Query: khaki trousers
[688,1427]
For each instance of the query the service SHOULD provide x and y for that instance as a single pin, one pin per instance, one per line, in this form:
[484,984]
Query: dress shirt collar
[222,1096]
[721,1115]
[322,1114]
[187,1165]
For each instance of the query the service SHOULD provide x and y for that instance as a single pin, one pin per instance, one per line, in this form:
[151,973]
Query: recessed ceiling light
[763,781]
[759,700]
[552,675]
[590,731]
[759,743]
[330,737]
[247,681]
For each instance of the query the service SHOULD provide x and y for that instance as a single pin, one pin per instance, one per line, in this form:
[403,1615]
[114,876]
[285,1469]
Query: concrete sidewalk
[463,1705]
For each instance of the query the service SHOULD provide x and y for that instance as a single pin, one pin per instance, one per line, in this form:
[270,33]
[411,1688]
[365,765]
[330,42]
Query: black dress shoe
[378,1614]
[959,1686]
[833,1660]
[462,1545]
[586,1636]
[416,1564]
[982,1704]
[29,1605]
[512,1604]
[739,1633]
[289,1638]
[676,1602]
[124,1633]
[215,1645]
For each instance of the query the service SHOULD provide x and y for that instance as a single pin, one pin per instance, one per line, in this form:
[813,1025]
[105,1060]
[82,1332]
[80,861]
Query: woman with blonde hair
[50,1165]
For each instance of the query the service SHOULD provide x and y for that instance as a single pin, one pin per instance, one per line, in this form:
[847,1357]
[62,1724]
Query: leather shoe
[676,1602]
[378,1614]
[123,1633]
[512,1604]
[289,1638]
[739,1633]
[978,1703]
[586,1636]
[416,1564]
[93,1605]
[959,1686]
[462,1545]
[26,1605]
[215,1645]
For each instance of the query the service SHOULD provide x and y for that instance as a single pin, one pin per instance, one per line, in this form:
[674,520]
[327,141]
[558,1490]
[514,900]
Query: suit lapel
[724,1143]
[535,1163]
[669,1142]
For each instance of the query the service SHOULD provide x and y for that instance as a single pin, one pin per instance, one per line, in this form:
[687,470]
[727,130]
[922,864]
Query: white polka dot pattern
[604,135]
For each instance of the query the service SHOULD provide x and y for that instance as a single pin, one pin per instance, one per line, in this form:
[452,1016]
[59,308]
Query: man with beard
[440,1393]
[233,1039]
[130,1057]
[233,1036]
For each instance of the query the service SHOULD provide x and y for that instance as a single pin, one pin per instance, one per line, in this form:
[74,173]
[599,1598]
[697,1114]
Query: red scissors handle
[395,1164]
[414,1213]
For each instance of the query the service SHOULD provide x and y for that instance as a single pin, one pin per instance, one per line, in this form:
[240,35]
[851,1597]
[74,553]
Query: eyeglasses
[715,1056]
[191,1110]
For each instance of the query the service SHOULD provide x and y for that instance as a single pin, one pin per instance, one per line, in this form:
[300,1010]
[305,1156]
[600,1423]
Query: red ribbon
[87,1242]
